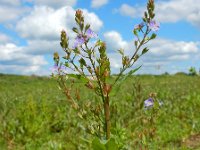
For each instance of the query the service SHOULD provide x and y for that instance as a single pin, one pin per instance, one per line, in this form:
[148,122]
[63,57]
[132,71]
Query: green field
[35,115]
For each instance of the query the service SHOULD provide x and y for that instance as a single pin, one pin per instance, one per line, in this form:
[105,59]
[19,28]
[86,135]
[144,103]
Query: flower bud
[89,85]
[106,73]
[79,13]
[56,58]
[153,95]
[107,88]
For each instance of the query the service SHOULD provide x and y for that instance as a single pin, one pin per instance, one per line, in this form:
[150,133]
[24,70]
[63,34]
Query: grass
[35,115]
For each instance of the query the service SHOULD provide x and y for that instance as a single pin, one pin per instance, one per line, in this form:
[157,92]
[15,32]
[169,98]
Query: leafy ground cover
[35,115]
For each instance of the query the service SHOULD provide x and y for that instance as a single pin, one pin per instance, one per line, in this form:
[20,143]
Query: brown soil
[192,141]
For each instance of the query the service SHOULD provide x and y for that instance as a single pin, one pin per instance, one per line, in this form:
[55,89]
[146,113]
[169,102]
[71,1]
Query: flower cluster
[61,70]
[150,102]
[81,38]
[153,25]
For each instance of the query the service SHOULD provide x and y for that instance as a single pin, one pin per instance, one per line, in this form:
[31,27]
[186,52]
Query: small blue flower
[148,103]
[59,69]
[154,26]
[80,40]
[91,34]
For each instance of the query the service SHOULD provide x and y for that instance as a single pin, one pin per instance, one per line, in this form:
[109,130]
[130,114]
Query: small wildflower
[80,40]
[91,34]
[148,103]
[58,69]
[154,26]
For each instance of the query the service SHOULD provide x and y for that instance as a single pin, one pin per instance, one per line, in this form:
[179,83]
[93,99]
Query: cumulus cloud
[130,11]
[42,47]
[11,13]
[114,41]
[41,29]
[46,23]
[162,51]
[12,53]
[4,38]
[164,47]
[10,2]
[168,11]
[55,3]
[25,70]
[98,3]
[176,10]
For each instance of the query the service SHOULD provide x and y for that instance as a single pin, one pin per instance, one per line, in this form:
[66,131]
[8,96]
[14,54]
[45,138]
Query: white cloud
[55,3]
[128,10]
[98,3]
[168,11]
[41,29]
[4,38]
[42,47]
[46,23]
[164,47]
[10,2]
[162,52]
[131,11]
[11,13]
[23,69]
[14,60]
[114,41]
[176,10]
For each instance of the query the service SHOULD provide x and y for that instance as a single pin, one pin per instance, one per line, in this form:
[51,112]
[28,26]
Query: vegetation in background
[192,71]
[34,114]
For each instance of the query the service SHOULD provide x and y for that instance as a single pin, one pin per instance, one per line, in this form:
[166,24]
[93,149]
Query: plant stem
[107,117]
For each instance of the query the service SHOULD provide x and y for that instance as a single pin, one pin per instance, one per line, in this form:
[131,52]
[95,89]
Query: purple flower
[154,26]
[148,103]
[80,40]
[139,26]
[58,69]
[91,34]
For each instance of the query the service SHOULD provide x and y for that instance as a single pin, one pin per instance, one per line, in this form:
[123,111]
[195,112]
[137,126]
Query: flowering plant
[91,65]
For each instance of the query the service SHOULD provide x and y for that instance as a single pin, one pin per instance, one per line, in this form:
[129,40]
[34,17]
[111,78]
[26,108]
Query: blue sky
[30,29]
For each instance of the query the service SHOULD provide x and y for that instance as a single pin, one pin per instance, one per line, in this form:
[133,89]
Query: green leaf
[87,27]
[97,145]
[136,43]
[82,62]
[144,50]
[79,77]
[121,51]
[153,36]
[129,74]
[77,20]
[67,64]
[145,14]
[135,32]
[133,71]
[111,145]
[75,30]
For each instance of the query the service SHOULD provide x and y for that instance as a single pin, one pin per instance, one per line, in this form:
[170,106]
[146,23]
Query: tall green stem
[107,117]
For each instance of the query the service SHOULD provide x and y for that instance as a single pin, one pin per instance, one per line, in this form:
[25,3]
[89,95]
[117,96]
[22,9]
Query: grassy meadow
[35,115]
